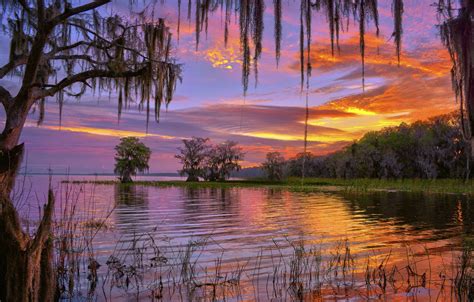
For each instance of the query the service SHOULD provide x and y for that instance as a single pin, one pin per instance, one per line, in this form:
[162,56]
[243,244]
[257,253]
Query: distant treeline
[425,149]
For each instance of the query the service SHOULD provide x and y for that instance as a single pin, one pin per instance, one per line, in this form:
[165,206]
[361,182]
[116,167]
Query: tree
[274,165]
[457,34]
[295,164]
[424,149]
[223,159]
[65,48]
[192,157]
[131,156]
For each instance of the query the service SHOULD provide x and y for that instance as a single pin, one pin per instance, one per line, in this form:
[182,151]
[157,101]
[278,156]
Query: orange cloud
[378,53]
[224,57]
[417,89]
[106,132]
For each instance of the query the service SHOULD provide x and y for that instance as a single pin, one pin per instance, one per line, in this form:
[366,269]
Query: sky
[210,102]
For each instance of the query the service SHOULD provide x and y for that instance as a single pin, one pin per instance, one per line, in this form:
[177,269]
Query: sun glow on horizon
[295,136]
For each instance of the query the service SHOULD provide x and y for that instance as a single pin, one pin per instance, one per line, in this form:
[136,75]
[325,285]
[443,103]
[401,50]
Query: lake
[128,243]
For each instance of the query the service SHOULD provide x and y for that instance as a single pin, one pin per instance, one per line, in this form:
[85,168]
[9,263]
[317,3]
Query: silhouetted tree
[457,34]
[222,159]
[192,156]
[274,166]
[425,149]
[131,156]
[295,165]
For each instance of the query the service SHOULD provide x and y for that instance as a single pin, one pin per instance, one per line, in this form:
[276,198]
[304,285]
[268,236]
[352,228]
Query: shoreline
[438,186]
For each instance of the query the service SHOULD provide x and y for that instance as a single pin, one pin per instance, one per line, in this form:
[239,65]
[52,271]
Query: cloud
[106,132]
[418,88]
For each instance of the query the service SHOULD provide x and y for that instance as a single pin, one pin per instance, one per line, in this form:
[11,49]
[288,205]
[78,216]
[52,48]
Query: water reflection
[422,211]
[215,208]
[131,212]
[130,195]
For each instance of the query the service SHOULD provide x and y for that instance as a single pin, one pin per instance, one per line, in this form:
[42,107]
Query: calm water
[247,232]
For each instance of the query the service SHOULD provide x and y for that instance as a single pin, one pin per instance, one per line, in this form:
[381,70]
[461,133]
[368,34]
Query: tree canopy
[274,166]
[192,156]
[131,156]
[425,149]
[223,159]
[63,50]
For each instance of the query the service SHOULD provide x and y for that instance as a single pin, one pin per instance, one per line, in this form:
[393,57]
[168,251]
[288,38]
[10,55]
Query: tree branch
[44,229]
[68,47]
[34,58]
[25,6]
[84,76]
[109,43]
[40,11]
[77,57]
[5,69]
[5,98]
[77,10]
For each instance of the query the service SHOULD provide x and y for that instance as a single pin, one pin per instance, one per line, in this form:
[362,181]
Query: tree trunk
[27,273]
[192,177]
[126,177]
[26,266]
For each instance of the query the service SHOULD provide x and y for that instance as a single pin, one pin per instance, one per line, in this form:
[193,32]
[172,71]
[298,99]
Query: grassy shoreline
[445,186]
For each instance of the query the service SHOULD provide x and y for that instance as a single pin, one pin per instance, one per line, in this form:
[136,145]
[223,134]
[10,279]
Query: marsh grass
[75,228]
[442,186]
[147,267]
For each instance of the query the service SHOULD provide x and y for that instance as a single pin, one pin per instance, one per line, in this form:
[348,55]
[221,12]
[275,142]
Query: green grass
[454,186]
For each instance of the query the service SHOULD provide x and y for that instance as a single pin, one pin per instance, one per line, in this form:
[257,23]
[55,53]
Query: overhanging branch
[77,10]
[86,75]
[7,68]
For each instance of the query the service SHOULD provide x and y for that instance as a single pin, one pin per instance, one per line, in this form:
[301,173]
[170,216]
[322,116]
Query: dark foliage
[131,156]
[425,149]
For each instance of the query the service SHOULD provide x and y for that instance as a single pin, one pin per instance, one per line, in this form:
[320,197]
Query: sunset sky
[210,102]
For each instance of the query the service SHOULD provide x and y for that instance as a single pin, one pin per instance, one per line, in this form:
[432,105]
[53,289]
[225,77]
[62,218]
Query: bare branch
[69,47]
[7,68]
[77,10]
[34,58]
[25,6]
[77,57]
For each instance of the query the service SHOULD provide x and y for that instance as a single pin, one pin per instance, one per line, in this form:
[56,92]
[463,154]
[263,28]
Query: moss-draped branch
[63,48]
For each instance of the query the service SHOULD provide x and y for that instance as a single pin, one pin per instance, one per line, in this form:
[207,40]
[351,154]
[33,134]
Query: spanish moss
[257,33]
[457,36]
[251,13]
[244,41]
[228,12]
[198,25]
[397,12]
[179,19]
[278,29]
[305,41]
[251,28]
